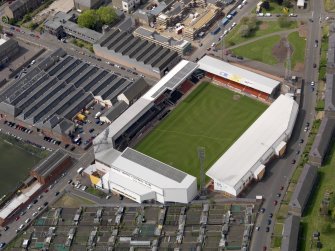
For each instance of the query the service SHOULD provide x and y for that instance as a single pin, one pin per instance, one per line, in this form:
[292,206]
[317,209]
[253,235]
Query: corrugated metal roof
[247,152]
[237,74]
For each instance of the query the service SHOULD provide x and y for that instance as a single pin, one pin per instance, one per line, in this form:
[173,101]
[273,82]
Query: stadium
[150,151]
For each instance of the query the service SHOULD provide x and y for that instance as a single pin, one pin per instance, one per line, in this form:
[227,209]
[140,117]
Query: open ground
[210,117]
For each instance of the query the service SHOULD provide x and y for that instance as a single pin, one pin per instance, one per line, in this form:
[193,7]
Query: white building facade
[246,159]
[142,178]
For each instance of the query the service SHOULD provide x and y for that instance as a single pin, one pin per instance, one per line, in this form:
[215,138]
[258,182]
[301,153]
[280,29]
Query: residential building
[303,190]
[81,5]
[17,9]
[127,6]
[201,22]
[322,141]
[330,95]
[331,49]
[62,24]
[180,46]
[290,234]
[9,48]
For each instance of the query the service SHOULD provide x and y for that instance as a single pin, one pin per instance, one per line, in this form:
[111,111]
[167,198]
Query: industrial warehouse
[136,53]
[54,90]
[112,168]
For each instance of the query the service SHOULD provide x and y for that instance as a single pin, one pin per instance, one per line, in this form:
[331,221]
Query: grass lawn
[208,117]
[260,50]
[69,200]
[324,49]
[329,5]
[263,28]
[298,44]
[312,220]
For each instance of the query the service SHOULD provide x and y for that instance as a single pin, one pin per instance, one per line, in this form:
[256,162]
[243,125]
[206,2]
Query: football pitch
[211,117]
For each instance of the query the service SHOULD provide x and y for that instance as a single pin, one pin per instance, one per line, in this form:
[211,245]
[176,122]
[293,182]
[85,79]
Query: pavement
[281,170]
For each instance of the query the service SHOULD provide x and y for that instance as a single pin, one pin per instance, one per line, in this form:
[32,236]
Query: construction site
[201,226]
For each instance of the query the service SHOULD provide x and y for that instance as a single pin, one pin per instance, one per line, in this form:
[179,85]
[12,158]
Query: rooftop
[323,138]
[47,166]
[237,74]
[330,92]
[255,142]
[290,234]
[151,170]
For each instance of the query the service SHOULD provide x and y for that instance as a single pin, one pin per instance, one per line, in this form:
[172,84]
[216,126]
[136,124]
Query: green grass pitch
[209,117]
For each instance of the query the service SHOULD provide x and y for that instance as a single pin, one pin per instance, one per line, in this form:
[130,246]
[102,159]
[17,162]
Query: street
[279,172]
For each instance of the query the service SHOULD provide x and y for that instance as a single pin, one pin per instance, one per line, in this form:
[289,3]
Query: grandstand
[246,158]
[239,79]
[140,177]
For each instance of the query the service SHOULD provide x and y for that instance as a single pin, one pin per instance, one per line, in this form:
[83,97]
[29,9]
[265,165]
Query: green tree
[252,23]
[287,3]
[244,30]
[326,228]
[284,22]
[244,20]
[107,15]
[89,19]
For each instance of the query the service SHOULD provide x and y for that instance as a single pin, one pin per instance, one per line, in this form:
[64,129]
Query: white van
[240,6]
[244,2]
[268,14]
[21,226]
[27,220]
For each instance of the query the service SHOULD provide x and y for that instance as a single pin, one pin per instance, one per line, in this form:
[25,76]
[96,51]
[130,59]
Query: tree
[287,3]
[244,30]
[244,20]
[89,19]
[252,23]
[266,5]
[107,15]
[284,22]
[326,228]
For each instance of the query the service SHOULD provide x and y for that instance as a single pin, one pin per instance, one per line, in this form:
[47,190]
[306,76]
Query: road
[209,39]
[50,42]
[60,186]
[279,171]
